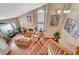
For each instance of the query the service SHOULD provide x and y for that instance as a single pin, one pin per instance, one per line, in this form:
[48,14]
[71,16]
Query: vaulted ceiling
[10,10]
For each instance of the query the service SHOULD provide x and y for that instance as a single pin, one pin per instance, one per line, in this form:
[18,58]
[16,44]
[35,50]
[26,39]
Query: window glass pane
[40,27]
[40,16]
[5,28]
[13,24]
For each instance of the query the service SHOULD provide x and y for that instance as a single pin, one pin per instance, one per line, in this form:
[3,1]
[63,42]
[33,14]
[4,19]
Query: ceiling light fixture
[59,11]
[66,11]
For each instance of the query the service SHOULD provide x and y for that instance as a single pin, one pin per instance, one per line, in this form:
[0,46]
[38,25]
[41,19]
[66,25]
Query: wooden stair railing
[57,49]
[33,42]
[76,51]
[36,48]
[51,51]
[43,44]
[45,47]
[39,46]
[30,47]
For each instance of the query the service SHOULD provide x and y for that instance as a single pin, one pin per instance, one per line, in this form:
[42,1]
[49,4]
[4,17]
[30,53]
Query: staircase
[57,49]
[48,45]
[34,50]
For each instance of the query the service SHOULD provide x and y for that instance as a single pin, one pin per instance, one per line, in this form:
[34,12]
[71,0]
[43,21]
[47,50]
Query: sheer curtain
[3,45]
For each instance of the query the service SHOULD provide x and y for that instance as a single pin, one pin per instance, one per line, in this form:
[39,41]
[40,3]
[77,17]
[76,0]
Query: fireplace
[31,29]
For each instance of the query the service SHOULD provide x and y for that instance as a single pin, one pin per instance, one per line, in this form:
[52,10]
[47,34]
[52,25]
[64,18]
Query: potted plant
[56,36]
[18,29]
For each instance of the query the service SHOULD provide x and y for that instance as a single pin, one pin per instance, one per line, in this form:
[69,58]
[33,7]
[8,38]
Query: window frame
[40,22]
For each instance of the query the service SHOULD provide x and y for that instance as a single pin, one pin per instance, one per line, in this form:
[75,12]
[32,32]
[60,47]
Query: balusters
[58,49]
[37,47]
[43,44]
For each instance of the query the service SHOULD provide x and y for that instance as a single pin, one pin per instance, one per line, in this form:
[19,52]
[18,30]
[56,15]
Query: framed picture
[75,32]
[69,25]
[54,20]
[72,27]
[29,18]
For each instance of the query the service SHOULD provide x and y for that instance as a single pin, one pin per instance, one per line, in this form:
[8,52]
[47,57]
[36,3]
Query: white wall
[52,10]
[23,19]
[71,43]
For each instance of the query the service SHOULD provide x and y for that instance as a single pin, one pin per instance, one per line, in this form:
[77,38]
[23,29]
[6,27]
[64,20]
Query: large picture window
[40,20]
[5,28]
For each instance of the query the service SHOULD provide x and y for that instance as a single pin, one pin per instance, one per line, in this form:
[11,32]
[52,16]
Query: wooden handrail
[35,47]
[76,51]
[61,48]
[30,47]
[54,47]
[43,48]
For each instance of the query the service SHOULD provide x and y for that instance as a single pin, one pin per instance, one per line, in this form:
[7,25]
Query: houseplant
[18,29]
[56,36]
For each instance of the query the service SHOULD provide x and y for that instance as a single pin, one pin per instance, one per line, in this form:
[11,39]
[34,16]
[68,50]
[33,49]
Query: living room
[46,23]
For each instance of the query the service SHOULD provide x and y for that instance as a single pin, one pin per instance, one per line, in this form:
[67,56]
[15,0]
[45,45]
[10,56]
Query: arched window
[40,19]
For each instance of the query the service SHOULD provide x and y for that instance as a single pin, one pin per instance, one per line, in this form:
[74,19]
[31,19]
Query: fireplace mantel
[31,29]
